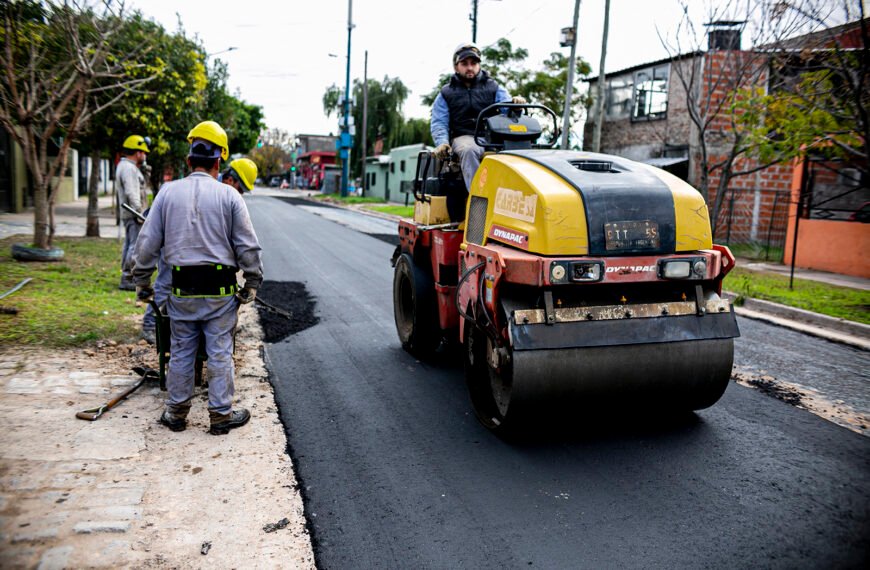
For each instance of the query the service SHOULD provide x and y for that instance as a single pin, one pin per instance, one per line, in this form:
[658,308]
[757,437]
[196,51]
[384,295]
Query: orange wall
[826,245]
[838,247]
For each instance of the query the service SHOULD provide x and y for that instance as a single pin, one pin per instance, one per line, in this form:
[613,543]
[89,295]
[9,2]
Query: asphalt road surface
[397,473]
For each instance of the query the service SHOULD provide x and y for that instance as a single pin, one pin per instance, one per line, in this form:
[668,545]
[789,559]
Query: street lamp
[233,48]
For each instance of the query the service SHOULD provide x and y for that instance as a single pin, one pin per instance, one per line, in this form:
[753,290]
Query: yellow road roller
[570,280]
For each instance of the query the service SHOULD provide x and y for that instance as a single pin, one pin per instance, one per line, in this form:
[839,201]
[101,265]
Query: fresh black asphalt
[397,473]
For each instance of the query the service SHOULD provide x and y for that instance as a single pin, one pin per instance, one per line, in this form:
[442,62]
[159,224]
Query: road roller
[566,280]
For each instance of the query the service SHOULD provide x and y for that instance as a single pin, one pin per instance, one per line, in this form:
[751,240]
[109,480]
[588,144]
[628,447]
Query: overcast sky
[283,63]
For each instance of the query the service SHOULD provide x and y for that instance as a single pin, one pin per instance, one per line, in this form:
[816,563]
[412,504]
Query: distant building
[389,176]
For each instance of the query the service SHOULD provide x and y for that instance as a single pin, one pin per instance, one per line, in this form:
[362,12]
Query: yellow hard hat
[247,171]
[136,142]
[213,133]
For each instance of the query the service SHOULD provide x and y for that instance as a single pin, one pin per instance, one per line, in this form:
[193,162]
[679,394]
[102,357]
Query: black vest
[466,103]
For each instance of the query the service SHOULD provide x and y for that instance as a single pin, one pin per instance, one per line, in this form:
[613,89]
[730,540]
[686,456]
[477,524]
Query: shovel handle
[95,413]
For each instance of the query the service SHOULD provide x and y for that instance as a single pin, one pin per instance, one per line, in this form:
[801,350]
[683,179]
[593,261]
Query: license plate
[643,234]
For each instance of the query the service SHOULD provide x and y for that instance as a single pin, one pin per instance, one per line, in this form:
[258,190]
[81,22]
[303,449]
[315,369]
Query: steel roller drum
[684,376]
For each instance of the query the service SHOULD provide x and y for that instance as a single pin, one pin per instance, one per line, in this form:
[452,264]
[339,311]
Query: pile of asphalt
[295,309]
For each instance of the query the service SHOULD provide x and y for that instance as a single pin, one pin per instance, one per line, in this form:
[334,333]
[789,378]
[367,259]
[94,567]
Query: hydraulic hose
[459,286]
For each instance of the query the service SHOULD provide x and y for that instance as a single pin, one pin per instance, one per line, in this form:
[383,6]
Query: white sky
[283,64]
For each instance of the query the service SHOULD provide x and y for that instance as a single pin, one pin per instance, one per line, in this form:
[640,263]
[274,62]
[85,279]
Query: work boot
[175,416]
[221,424]
[175,423]
[149,336]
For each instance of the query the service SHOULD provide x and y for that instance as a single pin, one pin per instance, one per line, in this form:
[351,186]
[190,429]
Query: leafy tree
[161,111]
[547,87]
[269,159]
[414,131]
[818,98]
[59,67]
[726,145]
[385,101]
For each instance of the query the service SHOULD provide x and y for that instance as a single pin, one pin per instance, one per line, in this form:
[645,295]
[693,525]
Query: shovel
[94,414]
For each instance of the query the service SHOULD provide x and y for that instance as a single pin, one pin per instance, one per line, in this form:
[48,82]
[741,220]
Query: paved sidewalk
[124,491]
[69,220]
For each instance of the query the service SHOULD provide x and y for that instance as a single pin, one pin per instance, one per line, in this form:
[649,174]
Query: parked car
[275,182]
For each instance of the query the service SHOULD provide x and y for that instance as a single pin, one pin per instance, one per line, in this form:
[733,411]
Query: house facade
[647,118]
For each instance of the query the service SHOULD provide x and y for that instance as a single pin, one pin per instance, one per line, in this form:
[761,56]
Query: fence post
[770,225]
[804,183]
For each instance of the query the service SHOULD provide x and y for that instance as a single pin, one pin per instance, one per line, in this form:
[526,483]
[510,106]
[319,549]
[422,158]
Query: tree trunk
[40,215]
[93,221]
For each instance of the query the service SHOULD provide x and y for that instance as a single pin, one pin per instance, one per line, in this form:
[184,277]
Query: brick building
[647,118]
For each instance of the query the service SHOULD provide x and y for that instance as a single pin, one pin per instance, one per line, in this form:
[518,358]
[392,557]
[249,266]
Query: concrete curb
[823,326]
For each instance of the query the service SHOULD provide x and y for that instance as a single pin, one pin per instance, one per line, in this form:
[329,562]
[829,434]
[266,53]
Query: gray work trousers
[469,154]
[131,234]
[162,288]
[217,329]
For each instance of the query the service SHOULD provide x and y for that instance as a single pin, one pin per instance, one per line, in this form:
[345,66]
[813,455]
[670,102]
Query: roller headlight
[558,273]
[583,271]
[692,268]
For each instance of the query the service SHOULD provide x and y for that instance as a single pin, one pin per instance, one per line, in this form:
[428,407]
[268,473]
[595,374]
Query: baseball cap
[465,50]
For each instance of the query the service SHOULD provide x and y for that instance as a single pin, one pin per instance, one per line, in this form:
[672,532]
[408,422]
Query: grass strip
[69,303]
[831,300]
[336,199]
[403,211]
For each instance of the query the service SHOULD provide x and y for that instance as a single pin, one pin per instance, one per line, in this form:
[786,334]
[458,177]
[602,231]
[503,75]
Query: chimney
[724,35]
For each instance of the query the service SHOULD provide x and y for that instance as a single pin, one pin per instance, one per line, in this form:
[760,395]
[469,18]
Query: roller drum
[684,375]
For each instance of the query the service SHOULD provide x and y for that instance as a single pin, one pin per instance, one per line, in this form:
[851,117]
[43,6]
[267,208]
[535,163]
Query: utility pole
[365,121]
[473,18]
[345,141]
[599,103]
[569,89]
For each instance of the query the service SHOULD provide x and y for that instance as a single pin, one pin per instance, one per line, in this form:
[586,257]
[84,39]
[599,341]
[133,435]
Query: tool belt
[204,280]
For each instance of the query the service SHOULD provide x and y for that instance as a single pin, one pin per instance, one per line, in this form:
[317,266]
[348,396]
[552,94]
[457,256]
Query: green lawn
[347,199]
[71,302]
[403,211]
[842,302]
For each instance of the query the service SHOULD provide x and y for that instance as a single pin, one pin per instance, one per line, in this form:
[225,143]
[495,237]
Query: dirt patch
[768,386]
[806,399]
[287,309]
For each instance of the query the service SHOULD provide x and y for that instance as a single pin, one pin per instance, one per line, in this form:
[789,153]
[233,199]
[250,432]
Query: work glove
[442,151]
[246,295]
[519,100]
[145,293]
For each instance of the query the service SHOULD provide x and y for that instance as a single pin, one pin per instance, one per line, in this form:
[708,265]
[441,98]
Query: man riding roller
[457,106]
[205,232]
[130,184]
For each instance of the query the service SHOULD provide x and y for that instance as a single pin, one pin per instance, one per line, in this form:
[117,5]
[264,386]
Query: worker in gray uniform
[130,186]
[206,235]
